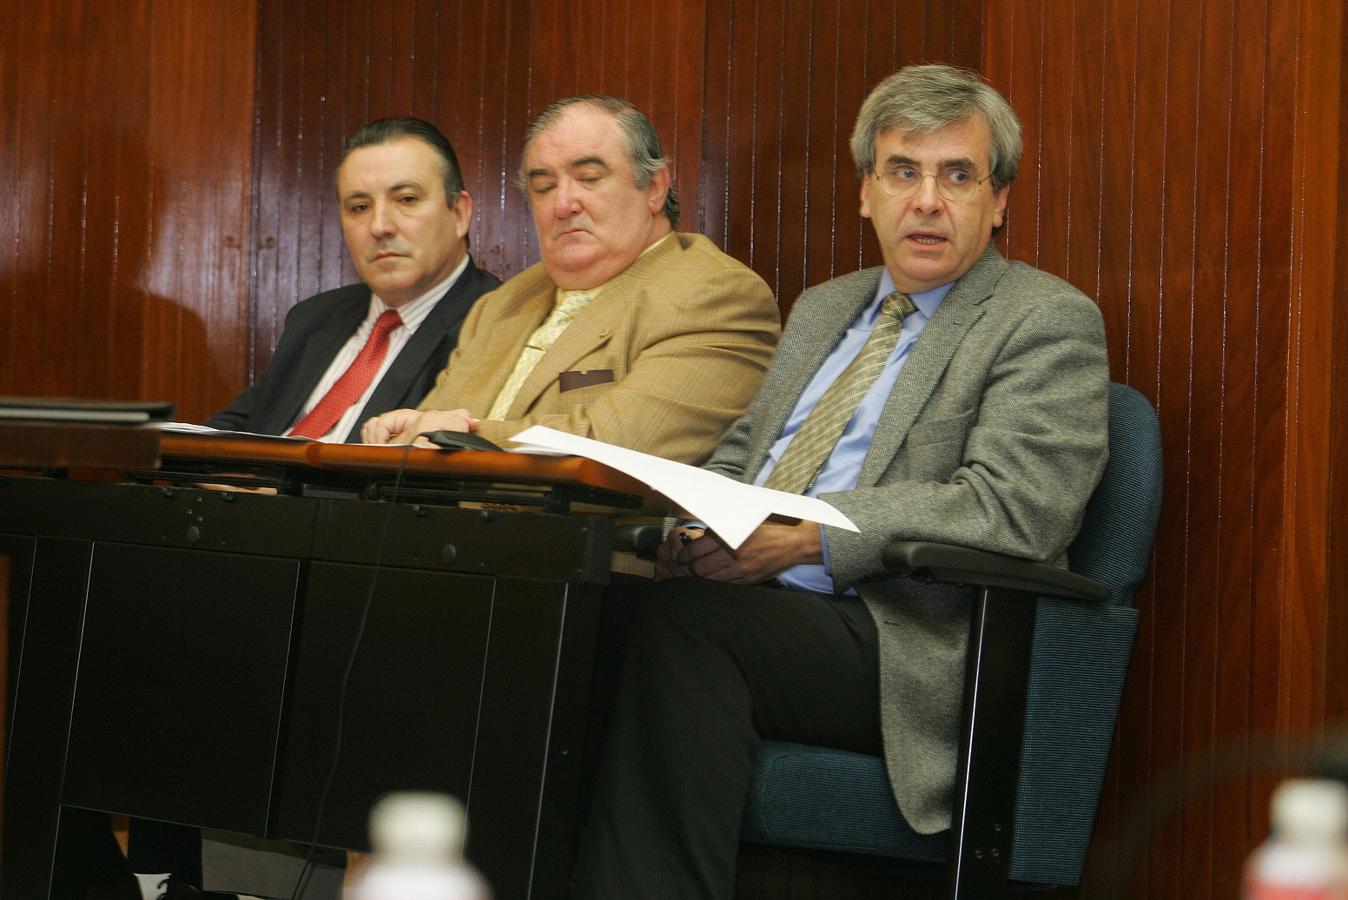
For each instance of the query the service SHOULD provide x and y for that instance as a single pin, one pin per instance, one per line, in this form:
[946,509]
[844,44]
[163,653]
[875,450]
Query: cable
[306,870]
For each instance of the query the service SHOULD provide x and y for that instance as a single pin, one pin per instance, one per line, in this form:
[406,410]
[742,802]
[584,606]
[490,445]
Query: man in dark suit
[948,396]
[356,351]
[405,217]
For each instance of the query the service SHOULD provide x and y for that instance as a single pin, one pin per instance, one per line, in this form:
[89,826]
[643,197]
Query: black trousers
[709,671]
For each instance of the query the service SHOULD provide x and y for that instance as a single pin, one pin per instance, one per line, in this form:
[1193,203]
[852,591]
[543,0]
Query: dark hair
[381,131]
[643,144]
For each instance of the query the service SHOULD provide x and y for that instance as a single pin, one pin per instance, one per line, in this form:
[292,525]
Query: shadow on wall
[108,296]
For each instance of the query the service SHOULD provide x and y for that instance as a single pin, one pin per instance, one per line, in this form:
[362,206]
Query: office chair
[1048,651]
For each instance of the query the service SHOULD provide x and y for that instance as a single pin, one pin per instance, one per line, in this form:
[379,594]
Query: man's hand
[403,426]
[772,548]
[666,555]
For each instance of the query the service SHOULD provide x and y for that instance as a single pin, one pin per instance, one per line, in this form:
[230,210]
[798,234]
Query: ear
[658,190]
[463,208]
[999,206]
[865,197]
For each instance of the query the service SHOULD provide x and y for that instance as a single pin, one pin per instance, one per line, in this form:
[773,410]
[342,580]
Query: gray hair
[643,144]
[919,100]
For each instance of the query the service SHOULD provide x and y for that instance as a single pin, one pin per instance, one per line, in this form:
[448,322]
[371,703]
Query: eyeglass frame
[883,179]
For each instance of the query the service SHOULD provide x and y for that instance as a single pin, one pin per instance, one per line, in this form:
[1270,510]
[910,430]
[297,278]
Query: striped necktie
[570,303]
[815,440]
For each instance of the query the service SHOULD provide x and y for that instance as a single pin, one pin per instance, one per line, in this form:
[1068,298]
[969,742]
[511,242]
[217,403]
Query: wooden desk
[52,445]
[438,476]
[185,651]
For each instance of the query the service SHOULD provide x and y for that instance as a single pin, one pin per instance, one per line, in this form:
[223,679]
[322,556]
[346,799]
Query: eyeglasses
[955,185]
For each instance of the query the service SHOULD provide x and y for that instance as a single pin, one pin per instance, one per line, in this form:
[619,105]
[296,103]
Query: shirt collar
[414,312]
[926,301]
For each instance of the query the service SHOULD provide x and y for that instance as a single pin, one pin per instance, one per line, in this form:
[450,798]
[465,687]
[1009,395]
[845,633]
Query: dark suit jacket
[315,331]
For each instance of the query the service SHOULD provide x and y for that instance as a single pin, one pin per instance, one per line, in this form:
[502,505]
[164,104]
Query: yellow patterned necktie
[568,305]
[815,440]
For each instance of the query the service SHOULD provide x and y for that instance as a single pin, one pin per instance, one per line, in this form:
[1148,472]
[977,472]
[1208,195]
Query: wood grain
[1169,150]
[125,257]
[1181,166]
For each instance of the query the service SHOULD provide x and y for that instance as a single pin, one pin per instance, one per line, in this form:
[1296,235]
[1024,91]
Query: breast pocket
[936,446]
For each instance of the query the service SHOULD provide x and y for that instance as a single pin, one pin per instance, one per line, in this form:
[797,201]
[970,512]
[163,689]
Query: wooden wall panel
[785,80]
[648,54]
[1336,495]
[480,72]
[1314,569]
[124,263]
[1162,174]
[1181,166]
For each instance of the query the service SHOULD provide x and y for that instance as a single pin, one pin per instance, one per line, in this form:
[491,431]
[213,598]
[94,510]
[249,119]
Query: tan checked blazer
[686,333]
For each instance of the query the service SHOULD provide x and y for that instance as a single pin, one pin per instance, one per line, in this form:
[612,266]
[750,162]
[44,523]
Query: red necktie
[353,382]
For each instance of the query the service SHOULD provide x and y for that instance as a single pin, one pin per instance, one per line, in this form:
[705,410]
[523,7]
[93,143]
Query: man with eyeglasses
[948,396]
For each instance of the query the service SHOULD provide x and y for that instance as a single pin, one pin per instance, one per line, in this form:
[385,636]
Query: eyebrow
[400,186]
[540,171]
[588,161]
[962,162]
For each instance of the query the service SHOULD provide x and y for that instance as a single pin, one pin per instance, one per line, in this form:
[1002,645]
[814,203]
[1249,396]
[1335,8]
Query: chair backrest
[1081,651]
[1114,544]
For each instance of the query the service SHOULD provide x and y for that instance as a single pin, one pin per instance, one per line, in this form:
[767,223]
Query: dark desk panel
[181,685]
[184,652]
[413,705]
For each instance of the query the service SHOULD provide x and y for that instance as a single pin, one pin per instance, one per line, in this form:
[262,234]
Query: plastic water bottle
[418,852]
[1306,857]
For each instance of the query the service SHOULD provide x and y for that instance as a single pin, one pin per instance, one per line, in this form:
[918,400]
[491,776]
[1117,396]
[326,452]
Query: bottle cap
[418,825]
[1310,807]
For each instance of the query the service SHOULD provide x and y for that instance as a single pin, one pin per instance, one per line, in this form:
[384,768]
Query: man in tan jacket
[628,331]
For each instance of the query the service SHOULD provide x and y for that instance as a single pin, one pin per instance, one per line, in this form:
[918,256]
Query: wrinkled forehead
[581,135]
[384,166]
[966,141]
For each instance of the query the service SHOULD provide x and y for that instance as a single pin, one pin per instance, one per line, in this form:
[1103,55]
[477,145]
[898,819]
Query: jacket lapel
[928,360]
[509,333]
[320,349]
[593,326]
[816,334]
[393,389]
[589,330]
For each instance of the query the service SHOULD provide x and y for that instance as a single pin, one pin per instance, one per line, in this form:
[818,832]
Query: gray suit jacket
[993,437]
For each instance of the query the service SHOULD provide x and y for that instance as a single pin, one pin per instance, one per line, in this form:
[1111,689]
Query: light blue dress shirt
[843,466]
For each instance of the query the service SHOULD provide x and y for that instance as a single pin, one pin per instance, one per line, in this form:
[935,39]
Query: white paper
[190,428]
[185,428]
[730,508]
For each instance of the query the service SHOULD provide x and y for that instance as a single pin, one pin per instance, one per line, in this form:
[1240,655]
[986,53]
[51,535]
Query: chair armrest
[642,537]
[951,564]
